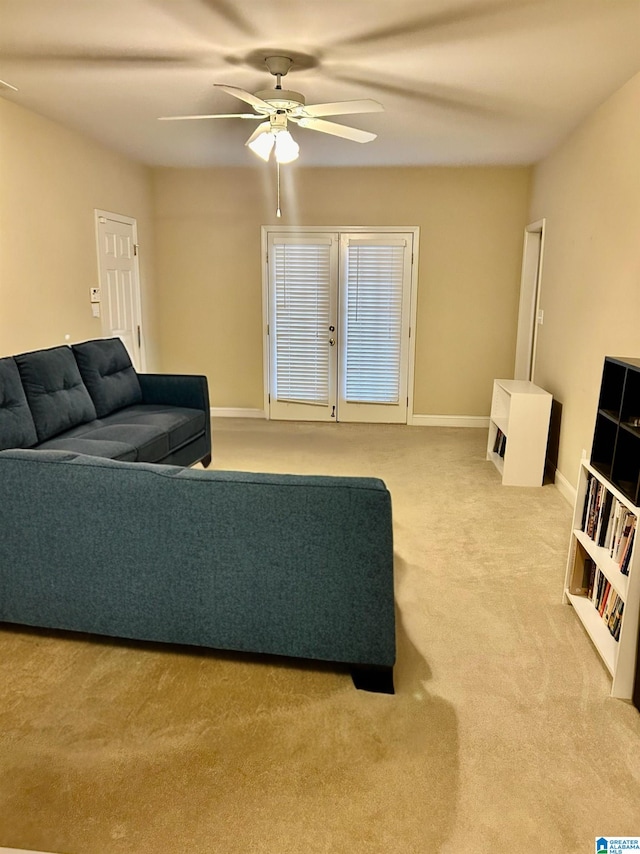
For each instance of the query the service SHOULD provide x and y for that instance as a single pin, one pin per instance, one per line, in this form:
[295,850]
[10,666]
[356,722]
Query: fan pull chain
[278,211]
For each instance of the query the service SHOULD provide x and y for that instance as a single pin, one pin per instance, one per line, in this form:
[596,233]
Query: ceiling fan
[277,107]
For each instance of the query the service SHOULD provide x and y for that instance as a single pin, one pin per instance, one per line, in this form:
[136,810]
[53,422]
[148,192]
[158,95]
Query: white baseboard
[481,421]
[565,488]
[415,420]
[231,412]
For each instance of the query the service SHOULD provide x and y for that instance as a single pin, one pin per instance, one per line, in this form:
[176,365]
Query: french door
[339,309]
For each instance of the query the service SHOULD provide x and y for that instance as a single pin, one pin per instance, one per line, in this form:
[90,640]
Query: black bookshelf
[615,452]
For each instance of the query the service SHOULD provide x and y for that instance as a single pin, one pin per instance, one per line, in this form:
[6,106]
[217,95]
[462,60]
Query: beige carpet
[502,736]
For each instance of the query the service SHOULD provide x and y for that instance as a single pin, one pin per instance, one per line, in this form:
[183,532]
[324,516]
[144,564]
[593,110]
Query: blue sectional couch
[104,530]
[89,399]
[289,565]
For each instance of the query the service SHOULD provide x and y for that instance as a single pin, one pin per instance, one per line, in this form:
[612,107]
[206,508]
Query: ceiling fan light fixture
[286,148]
[262,145]
[279,106]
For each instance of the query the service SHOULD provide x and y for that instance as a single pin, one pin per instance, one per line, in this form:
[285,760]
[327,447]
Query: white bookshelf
[619,656]
[521,411]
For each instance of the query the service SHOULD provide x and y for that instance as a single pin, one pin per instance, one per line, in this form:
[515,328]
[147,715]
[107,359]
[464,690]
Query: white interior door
[339,308]
[120,282]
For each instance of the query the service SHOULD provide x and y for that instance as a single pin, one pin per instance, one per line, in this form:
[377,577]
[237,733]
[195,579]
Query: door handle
[332,342]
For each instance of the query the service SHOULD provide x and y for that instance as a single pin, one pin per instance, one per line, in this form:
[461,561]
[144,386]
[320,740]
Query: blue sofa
[89,399]
[290,565]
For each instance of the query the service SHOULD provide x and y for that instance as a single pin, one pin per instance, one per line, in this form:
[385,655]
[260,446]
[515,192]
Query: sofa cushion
[93,447]
[150,442]
[181,423]
[108,374]
[17,429]
[57,397]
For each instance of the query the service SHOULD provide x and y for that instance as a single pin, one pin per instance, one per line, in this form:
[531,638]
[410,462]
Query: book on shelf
[604,518]
[587,500]
[606,589]
[590,568]
[595,505]
[625,538]
[616,620]
[500,443]
[616,509]
[609,523]
[611,603]
[626,557]
[608,603]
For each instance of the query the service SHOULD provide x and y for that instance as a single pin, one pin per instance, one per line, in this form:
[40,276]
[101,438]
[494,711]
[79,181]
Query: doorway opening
[529,311]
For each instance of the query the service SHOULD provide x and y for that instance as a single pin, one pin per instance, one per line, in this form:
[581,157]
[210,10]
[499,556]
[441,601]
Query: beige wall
[209,269]
[51,179]
[589,192]
[205,313]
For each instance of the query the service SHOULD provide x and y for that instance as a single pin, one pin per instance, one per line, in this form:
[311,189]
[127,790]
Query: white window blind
[374,322]
[301,281]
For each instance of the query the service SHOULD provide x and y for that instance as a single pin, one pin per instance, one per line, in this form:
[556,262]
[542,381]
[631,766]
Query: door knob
[332,341]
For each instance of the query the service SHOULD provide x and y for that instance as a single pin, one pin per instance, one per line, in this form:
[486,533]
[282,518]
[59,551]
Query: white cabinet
[518,431]
[602,580]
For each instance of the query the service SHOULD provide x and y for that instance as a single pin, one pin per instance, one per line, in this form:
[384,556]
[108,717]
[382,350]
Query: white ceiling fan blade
[262,128]
[341,108]
[354,134]
[214,116]
[247,97]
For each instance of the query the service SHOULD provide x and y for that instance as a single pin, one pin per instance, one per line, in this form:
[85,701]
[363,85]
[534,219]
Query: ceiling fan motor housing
[281,99]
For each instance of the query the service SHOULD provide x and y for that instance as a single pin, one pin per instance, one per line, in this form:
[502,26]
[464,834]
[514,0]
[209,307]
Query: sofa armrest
[188,390]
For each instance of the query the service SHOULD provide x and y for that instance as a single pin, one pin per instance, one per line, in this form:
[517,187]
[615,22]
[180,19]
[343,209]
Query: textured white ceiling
[462,81]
